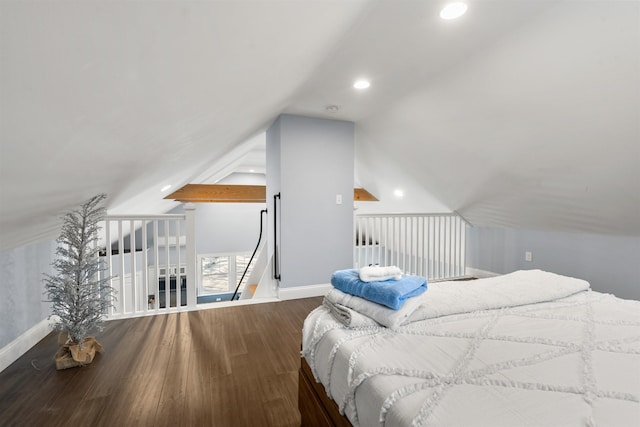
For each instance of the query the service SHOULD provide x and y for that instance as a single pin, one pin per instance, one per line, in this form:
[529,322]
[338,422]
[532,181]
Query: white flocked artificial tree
[79,295]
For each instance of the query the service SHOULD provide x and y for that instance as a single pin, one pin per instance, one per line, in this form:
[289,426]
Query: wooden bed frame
[316,408]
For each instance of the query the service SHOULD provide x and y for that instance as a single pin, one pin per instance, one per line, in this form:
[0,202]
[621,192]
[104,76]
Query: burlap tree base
[71,354]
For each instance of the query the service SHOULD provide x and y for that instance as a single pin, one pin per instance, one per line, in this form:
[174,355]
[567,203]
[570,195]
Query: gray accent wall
[310,161]
[22,305]
[610,263]
[273,178]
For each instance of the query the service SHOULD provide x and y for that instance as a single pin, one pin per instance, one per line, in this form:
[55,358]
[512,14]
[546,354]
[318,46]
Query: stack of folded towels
[374,295]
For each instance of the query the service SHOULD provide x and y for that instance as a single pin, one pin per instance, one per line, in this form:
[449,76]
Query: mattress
[570,360]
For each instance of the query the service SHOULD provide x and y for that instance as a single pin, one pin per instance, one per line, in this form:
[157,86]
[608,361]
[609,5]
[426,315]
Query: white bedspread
[572,361]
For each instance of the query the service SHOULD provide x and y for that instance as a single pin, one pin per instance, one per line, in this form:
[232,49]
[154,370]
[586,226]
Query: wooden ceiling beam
[362,195]
[222,193]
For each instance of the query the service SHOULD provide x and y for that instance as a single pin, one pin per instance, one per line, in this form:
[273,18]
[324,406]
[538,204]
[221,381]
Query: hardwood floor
[234,366]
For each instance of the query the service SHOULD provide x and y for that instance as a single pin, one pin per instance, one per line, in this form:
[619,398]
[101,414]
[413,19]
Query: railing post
[190,234]
[430,245]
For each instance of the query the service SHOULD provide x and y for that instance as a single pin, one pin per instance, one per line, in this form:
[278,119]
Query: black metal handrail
[250,259]
[276,267]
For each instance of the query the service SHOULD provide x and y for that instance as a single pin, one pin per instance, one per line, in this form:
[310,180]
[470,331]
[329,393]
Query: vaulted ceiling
[519,114]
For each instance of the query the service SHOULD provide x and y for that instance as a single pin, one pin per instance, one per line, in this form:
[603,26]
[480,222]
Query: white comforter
[569,361]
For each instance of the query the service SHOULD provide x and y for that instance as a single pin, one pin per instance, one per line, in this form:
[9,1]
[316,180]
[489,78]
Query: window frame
[232,274]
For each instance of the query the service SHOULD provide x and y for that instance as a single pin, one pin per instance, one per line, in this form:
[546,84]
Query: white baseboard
[235,303]
[16,348]
[297,292]
[480,274]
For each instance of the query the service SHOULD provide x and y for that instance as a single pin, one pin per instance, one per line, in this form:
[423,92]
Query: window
[220,274]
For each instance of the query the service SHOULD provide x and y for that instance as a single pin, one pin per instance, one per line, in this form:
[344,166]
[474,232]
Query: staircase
[261,284]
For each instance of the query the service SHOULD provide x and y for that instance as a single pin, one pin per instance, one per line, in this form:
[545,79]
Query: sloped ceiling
[538,129]
[521,113]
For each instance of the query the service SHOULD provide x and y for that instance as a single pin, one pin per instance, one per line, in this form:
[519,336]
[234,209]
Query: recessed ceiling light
[453,10]
[398,193]
[361,84]
[165,188]
[252,170]
[332,108]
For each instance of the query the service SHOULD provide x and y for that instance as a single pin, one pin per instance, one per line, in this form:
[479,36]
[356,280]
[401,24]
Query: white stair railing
[428,245]
[151,262]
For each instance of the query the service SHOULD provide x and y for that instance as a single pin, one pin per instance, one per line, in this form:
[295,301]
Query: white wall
[310,161]
[610,263]
[22,304]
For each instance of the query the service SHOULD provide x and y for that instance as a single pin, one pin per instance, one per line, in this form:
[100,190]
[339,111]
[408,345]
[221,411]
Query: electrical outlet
[528,256]
[338,199]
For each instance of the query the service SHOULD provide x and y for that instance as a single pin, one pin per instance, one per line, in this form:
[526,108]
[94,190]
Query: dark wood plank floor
[232,366]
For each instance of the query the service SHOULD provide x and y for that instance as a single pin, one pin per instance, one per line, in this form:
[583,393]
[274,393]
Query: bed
[530,348]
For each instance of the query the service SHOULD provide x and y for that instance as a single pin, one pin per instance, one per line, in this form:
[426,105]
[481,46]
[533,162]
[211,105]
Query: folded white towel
[375,273]
[347,316]
[355,308]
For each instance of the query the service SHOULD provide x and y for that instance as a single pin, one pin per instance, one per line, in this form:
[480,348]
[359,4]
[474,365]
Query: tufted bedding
[571,358]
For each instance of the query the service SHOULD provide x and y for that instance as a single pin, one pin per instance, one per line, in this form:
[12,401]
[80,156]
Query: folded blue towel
[391,293]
